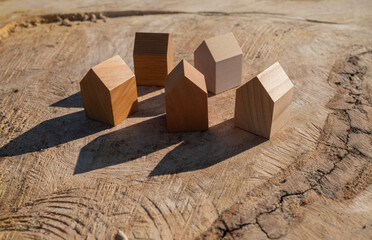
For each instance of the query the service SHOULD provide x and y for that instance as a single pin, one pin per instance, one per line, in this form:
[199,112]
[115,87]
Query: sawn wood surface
[63,176]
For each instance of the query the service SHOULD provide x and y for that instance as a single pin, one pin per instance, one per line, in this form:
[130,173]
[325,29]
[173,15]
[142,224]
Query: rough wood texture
[186,99]
[220,60]
[152,58]
[63,176]
[109,91]
[262,104]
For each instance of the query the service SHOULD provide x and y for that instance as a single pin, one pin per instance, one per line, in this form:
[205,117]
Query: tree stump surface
[63,176]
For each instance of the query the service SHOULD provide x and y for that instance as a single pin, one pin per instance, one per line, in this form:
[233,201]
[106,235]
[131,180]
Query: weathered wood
[64,176]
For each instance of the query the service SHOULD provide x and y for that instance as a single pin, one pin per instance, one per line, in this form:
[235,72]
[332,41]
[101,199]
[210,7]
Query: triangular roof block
[220,60]
[275,81]
[109,91]
[223,47]
[152,58]
[113,72]
[262,104]
[186,99]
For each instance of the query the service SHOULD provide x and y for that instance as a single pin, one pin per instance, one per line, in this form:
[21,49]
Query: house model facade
[152,58]
[186,99]
[262,105]
[220,60]
[109,91]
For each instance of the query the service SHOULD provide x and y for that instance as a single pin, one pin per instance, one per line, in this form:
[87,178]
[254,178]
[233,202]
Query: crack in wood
[354,77]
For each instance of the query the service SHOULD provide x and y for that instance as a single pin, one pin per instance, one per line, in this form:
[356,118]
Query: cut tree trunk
[63,176]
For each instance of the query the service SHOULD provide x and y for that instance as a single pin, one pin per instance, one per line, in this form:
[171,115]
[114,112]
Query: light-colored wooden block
[262,104]
[186,99]
[220,60]
[109,91]
[152,58]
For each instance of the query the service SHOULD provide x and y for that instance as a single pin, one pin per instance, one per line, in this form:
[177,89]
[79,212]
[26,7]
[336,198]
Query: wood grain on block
[262,104]
[220,60]
[152,57]
[186,99]
[109,91]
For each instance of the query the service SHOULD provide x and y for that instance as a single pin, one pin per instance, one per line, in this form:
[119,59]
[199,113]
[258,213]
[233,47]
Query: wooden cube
[186,99]
[262,104]
[109,91]
[152,57]
[220,60]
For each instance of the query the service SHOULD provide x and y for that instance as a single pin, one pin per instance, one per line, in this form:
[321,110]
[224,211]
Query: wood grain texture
[220,60]
[64,176]
[109,91]
[186,99]
[262,105]
[152,58]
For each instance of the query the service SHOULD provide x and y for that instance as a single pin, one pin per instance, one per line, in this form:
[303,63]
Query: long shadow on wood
[204,149]
[143,90]
[126,144]
[51,133]
[73,101]
[76,101]
[153,106]
[197,150]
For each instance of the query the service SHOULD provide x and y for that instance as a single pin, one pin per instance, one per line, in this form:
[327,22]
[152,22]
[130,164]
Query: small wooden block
[109,91]
[262,104]
[186,99]
[220,60]
[152,57]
